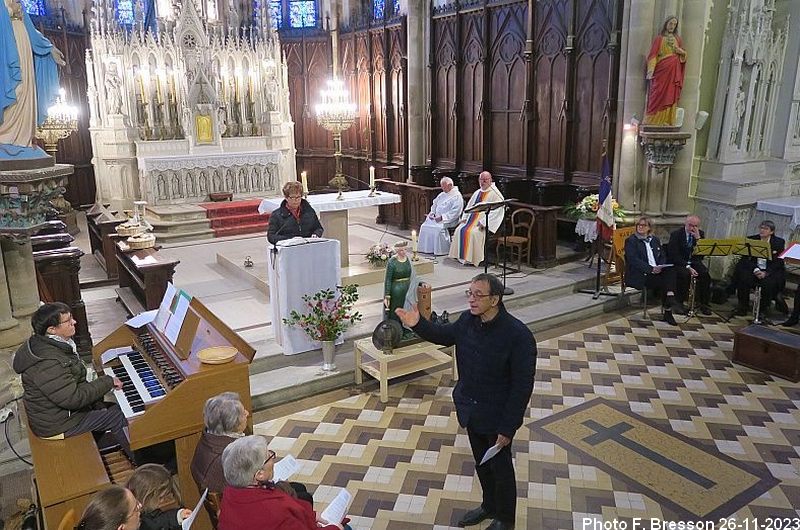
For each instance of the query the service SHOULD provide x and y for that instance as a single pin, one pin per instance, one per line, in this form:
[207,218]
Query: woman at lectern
[294,218]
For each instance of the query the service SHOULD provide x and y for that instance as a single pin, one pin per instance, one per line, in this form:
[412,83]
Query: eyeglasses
[136,509]
[642,224]
[294,197]
[270,456]
[472,294]
[67,321]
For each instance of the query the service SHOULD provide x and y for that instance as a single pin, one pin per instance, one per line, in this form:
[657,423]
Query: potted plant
[587,207]
[378,254]
[329,314]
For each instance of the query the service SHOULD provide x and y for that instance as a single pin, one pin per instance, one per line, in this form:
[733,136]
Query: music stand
[711,248]
[754,248]
[487,207]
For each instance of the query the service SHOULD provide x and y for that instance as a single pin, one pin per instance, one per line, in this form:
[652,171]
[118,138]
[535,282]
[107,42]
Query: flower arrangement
[329,313]
[379,254]
[587,208]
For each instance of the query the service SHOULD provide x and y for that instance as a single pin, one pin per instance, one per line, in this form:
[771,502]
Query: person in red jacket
[252,501]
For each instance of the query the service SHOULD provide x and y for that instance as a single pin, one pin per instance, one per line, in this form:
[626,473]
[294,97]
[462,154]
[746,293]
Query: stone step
[182,236]
[251,228]
[276,378]
[239,219]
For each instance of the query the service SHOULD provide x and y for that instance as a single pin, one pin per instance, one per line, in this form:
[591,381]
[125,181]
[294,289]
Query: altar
[783,211]
[333,213]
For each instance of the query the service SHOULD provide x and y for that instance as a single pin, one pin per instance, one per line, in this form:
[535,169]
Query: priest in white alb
[470,234]
[434,234]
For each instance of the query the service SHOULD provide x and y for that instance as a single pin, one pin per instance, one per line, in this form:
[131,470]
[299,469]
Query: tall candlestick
[371,176]
[414,240]
[304,180]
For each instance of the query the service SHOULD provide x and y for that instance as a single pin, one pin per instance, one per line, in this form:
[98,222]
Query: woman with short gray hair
[225,420]
[253,500]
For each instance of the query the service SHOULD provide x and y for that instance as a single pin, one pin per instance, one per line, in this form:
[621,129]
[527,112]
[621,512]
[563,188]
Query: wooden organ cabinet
[69,471]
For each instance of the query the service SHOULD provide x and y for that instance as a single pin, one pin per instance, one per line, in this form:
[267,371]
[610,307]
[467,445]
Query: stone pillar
[416,83]
[637,34]
[21,277]
[11,335]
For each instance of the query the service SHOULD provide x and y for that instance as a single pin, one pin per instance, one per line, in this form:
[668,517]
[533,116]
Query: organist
[59,399]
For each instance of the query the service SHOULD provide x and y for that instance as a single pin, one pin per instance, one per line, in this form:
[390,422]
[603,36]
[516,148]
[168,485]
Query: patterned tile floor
[408,464]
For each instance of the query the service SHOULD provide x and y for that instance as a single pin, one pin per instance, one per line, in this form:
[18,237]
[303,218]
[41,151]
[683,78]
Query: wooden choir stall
[69,471]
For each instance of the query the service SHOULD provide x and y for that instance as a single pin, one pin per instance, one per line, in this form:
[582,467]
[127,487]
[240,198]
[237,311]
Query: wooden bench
[102,225]
[68,472]
[143,277]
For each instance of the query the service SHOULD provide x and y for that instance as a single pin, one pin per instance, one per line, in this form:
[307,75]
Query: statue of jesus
[28,82]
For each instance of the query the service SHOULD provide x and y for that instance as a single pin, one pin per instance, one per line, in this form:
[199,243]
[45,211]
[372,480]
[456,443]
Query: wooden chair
[616,255]
[520,239]
[69,521]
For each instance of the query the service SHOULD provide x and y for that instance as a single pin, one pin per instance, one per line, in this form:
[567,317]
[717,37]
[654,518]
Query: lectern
[298,267]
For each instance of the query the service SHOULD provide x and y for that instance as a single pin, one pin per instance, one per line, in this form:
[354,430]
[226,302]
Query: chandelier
[61,121]
[335,113]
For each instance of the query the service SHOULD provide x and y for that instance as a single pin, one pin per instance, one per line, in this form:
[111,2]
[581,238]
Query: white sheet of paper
[147,260]
[187,523]
[792,253]
[113,353]
[176,320]
[665,265]
[490,453]
[162,317]
[285,468]
[337,509]
[142,319]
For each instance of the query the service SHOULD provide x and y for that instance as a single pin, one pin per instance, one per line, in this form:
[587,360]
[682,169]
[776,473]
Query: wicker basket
[141,241]
[129,228]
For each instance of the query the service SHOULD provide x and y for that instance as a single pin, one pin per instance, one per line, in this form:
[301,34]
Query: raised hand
[409,318]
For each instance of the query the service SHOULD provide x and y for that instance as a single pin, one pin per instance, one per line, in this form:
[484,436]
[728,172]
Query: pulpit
[298,267]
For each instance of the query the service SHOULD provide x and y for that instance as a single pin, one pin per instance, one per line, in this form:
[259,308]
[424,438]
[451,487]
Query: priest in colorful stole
[470,234]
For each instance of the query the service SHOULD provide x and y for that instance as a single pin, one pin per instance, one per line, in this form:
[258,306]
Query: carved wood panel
[379,93]
[443,98]
[472,81]
[396,105]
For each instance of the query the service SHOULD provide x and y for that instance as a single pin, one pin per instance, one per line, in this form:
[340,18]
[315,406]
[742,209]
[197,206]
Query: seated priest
[434,234]
[470,234]
[680,252]
[752,271]
[294,217]
[645,261]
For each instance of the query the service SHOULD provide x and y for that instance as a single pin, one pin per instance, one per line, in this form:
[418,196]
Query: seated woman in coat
[252,500]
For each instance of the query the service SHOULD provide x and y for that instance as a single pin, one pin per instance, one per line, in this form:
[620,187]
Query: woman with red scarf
[665,68]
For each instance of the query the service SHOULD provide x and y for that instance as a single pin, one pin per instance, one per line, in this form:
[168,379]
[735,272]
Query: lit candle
[304,180]
[414,240]
[371,176]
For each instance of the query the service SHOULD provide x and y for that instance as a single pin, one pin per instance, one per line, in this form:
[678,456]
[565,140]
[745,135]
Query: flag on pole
[605,211]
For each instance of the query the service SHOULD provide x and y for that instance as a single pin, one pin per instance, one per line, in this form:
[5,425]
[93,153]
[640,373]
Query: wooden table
[403,361]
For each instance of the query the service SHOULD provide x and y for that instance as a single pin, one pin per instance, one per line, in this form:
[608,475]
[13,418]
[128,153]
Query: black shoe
[793,320]
[678,308]
[704,309]
[780,305]
[474,517]
[497,524]
[669,319]
[741,311]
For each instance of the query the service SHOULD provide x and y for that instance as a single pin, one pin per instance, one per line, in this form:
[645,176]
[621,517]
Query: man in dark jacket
[646,266]
[680,252]
[770,274]
[294,217]
[58,398]
[496,357]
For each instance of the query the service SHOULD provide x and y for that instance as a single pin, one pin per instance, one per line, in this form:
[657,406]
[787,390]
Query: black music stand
[487,207]
[711,248]
[597,292]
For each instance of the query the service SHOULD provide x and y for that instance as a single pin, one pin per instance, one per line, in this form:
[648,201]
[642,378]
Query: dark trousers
[663,282]
[745,281]
[107,419]
[796,307]
[496,477]
[703,288]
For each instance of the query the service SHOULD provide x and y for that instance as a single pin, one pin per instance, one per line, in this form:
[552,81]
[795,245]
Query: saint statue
[28,82]
[400,284]
[665,68]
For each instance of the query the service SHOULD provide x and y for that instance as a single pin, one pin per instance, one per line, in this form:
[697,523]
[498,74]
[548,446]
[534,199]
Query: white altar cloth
[333,214]
[786,206]
[299,267]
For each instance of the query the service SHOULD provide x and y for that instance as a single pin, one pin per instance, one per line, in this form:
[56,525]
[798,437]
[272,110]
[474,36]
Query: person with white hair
[470,234]
[434,234]
[252,500]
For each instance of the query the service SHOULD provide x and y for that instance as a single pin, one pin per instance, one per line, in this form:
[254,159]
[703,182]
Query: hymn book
[337,509]
[285,468]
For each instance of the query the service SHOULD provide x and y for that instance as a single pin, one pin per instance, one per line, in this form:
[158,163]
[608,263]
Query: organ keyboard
[164,389]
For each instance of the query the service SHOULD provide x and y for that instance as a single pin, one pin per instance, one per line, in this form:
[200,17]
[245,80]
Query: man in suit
[645,261]
[680,249]
[769,274]
[496,356]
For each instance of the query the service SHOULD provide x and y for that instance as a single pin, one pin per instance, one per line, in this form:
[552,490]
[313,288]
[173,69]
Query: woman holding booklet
[253,501]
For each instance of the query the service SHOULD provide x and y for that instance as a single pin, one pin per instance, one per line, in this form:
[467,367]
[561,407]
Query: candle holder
[61,121]
[372,192]
[336,114]
[414,256]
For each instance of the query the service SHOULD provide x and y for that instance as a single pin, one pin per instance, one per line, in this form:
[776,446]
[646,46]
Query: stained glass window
[125,12]
[396,6]
[302,13]
[276,13]
[35,7]
[377,9]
